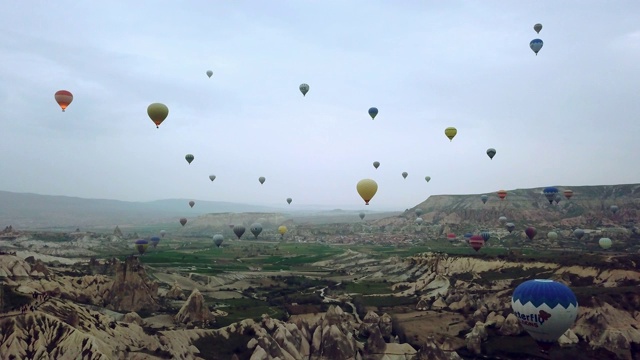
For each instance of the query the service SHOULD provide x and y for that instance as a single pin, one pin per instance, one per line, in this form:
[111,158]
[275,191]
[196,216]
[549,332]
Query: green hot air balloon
[491,152]
[289,200]
[212,177]
[376,164]
[405,174]
[304,89]
[209,73]
[261,179]
[362,214]
[428,178]
[158,113]
[419,212]
[189,158]
[256,229]
[218,239]
[605,243]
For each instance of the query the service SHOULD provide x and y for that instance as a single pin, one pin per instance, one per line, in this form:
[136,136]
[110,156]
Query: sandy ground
[222,294]
[160,321]
[421,324]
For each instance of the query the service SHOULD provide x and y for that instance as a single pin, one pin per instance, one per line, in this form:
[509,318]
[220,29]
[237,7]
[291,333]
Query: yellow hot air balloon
[367,188]
[157,112]
[450,132]
[282,230]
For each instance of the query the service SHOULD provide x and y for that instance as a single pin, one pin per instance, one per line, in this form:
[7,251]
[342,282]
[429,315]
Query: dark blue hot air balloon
[154,241]
[545,309]
[373,112]
[485,235]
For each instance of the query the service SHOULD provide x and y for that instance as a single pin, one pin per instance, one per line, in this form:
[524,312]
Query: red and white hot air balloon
[63,98]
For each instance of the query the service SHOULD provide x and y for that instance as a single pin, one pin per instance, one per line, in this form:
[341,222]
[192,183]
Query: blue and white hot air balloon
[545,309]
[536,45]
[550,193]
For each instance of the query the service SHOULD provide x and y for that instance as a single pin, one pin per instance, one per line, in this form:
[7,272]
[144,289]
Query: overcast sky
[569,116]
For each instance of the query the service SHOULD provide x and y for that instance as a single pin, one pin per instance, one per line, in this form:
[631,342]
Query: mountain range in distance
[34,211]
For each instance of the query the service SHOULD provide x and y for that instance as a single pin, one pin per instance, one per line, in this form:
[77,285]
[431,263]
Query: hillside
[589,207]
[32,211]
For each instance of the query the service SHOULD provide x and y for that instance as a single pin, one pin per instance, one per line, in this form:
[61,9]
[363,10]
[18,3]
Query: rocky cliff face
[130,289]
[194,310]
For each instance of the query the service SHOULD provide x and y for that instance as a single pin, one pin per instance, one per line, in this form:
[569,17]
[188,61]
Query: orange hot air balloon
[502,194]
[568,194]
[63,98]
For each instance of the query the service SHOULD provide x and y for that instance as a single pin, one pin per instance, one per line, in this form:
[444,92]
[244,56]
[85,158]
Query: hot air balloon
[289,200]
[304,89]
[476,242]
[282,230]
[419,220]
[261,179]
[142,245]
[605,243]
[373,112]
[550,193]
[191,203]
[552,235]
[468,235]
[256,229]
[568,194]
[376,164]
[157,113]
[485,235]
[531,232]
[614,209]
[155,240]
[451,236]
[63,98]
[536,45]
[361,215]
[231,226]
[491,152]
[163,233]
[238,230]
[557,199]
[428,178]
[367,188]
[419,212]
[405,174]
[484,198]
[578,233]
[537,28]
[450,132]
[218,239]
[183,221]
[189,158]
[510,227]
[212,177]
[209,73]
[546,309]
[502,194]
[502,219]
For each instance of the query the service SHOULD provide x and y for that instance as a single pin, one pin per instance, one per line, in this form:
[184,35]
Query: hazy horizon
[565,116]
